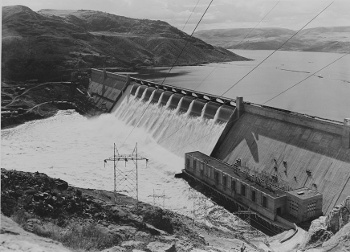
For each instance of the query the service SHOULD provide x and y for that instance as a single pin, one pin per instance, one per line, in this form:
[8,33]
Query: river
[72,147]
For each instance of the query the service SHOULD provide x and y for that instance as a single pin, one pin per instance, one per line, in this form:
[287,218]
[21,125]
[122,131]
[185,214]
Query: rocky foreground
[90,220]
[40,213]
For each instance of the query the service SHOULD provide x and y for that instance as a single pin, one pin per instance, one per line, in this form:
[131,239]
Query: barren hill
[47,43]
[320,39]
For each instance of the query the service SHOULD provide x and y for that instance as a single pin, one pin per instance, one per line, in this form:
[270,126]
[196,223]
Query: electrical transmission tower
[157,197]
[126,178]
[199,208]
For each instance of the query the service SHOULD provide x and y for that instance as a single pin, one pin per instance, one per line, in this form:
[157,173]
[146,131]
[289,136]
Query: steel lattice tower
[126,178]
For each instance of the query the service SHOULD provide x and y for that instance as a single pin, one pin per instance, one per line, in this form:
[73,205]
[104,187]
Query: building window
[233,185]
[224,181]
[216,177]
[311,209]
[201,169]
[293,208]
[253,196]
[188,162]
[209,172]
[264,201]
[243,190]
[194,164]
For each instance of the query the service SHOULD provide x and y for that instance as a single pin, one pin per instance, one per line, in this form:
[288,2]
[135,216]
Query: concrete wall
[329,126]
[298,149]
[107,88]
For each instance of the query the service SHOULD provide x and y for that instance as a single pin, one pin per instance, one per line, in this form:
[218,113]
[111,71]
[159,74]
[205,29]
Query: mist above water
[72,147]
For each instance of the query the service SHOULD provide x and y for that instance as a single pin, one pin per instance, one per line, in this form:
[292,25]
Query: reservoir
[325,94]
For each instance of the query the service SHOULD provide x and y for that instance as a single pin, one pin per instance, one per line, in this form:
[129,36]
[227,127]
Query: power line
[200,84]
[183,48]
[306,78]
[261,63]
[237,82]
[252,29]
[256,25]
[190,15]
[244,75]
[144,111]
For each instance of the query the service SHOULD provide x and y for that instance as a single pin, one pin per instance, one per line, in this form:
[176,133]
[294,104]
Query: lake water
[326,94]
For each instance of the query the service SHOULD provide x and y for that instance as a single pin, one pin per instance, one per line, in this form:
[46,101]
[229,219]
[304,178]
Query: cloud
[291,14]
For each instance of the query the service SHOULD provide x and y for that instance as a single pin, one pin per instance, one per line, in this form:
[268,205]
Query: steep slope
[320,39]
[49,43]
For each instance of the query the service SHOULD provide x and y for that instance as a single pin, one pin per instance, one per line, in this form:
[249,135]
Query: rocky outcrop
[86,219]
[339,216]
[330,231]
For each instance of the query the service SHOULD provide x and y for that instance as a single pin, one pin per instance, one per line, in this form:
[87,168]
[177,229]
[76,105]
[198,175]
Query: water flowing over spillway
[177,131]
[72,147]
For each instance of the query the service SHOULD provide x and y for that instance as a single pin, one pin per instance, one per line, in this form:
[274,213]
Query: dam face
[177,119]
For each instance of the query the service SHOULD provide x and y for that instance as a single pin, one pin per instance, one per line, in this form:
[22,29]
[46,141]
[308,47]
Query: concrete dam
[291,151]
[108,89]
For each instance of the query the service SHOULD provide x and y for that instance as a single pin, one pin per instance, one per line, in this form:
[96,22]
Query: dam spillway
[174,120]
[177,119]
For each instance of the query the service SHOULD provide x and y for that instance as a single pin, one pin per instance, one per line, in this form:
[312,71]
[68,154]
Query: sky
[222,14]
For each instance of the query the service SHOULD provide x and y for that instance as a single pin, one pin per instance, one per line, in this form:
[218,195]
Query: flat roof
[304,193]
[236,173]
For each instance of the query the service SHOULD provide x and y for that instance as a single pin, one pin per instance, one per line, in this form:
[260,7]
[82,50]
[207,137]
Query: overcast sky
[292,14]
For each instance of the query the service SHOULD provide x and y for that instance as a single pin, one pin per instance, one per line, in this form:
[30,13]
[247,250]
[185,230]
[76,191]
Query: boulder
[125,232]
[317,232]
[339,216]
[142,236]
[340,241]
[131,244]
[161,247]
[114,249]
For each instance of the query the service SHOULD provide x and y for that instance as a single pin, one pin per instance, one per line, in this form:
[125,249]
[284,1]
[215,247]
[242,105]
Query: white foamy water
[72,147]
[177,132]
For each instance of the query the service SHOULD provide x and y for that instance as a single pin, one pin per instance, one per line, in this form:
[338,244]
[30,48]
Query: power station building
[258,192]
[286,166]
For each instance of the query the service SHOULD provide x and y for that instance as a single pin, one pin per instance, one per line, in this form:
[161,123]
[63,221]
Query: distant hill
[321,39]
[48,43]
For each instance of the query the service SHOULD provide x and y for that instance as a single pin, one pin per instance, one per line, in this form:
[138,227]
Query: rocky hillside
[321,39]
[90,220]
[47,44]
